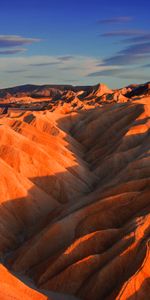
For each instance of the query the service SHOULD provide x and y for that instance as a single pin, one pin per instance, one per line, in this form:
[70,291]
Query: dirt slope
[75,201]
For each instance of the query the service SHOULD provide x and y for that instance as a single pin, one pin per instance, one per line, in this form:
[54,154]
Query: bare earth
[75,193]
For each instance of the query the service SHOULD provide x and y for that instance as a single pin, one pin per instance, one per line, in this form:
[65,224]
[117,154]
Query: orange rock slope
[12,288]
[75,202]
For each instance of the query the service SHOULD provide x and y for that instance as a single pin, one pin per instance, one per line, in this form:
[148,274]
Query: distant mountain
[38,91]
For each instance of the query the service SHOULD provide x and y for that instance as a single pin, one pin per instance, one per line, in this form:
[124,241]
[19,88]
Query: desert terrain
[75,192]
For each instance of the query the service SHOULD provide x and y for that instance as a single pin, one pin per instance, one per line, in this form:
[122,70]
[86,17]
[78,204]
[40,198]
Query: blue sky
[74,42]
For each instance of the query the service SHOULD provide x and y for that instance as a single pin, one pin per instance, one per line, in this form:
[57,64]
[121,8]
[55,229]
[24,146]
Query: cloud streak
[145,66]
[69,68]
[108,72]
[46,64]
[122,33]
[144,38]
[15,71]
[121,19]
[8,41]
[9,44]
[123,59]
[138,49]
[12,51]
[66,58]
[35,76]
[133,54]
[123,73]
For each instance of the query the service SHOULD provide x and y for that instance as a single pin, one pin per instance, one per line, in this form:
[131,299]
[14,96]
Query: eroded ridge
[74,202]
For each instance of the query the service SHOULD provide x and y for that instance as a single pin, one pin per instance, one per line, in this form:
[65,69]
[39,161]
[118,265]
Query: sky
[74,42]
